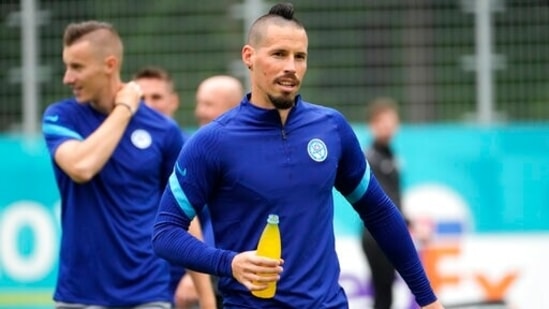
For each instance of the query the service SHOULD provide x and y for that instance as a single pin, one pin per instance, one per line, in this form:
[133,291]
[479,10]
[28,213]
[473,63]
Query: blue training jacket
[247,165]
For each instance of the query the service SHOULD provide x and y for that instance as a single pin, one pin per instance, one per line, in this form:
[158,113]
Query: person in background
[215,95]
[383,121]
[278,154]
[159,93]
[111,157]
[158,89]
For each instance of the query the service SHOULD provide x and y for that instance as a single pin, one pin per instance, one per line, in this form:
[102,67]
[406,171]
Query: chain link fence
[420,52]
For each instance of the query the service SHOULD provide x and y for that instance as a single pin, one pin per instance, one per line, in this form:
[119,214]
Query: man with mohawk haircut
[278,154]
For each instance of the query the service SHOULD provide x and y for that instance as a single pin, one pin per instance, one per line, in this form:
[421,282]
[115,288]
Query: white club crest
[317,150]
[141,139]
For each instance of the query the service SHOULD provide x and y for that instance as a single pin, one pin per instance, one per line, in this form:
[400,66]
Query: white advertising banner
[473,269]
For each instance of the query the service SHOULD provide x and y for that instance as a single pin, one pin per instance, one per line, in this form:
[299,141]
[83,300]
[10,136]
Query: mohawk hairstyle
[75,31]
[280,13]
[104,38]
[284,10]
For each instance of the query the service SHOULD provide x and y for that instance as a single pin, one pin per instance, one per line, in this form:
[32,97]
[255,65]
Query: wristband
[132,111]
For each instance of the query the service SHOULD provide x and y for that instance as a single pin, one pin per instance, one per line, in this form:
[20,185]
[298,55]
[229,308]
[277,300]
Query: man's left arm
[357,183]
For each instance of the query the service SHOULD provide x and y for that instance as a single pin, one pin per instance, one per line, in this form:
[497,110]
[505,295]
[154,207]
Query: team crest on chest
[141,139]
[317,150]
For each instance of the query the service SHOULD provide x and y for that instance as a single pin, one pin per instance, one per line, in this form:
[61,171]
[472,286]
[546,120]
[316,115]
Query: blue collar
[260,116]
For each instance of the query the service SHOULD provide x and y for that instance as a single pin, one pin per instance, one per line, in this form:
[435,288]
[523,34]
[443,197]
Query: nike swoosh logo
[52,118]
[183,172]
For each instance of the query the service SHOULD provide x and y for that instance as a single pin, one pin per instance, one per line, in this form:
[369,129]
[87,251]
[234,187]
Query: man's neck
[105,101]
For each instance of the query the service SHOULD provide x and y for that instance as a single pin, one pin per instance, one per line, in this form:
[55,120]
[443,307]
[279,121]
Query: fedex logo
[441,225]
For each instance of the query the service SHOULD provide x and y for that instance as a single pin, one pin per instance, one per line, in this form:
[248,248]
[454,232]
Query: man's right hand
[247,266]
[130,94]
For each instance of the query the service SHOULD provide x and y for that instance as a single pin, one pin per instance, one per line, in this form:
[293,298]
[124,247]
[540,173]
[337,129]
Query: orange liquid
[269,246]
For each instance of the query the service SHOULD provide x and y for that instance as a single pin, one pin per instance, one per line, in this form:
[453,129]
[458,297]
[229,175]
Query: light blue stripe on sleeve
[54,129]
[361,188]
[180,196]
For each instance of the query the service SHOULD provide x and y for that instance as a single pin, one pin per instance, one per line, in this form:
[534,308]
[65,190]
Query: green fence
[416,51]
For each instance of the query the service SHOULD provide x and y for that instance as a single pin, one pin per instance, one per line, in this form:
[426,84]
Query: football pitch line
[28,298]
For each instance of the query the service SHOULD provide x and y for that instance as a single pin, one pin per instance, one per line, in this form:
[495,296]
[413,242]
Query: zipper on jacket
[283,133]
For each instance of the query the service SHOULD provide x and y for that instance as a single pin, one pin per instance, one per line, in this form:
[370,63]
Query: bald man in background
[215,95]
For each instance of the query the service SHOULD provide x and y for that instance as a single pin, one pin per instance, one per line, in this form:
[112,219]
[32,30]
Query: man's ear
[111,64]
[247,56]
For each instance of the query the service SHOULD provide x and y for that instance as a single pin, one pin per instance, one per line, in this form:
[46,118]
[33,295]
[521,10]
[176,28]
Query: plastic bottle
[269,245]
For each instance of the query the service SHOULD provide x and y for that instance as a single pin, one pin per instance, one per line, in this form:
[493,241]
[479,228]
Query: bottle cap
[272,219]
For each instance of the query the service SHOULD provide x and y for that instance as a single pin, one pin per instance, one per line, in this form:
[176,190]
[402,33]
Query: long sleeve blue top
[247,165]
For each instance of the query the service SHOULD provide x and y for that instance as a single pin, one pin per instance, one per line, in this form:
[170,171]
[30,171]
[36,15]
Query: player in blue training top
[276,153]
[112,157]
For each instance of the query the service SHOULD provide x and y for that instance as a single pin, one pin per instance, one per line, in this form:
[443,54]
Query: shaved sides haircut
[280,14]
[100,34]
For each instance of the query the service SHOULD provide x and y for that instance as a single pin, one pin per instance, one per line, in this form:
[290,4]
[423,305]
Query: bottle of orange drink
[269,245]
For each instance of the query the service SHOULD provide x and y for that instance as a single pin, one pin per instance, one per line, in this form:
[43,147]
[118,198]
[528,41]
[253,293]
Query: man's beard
[282,102]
